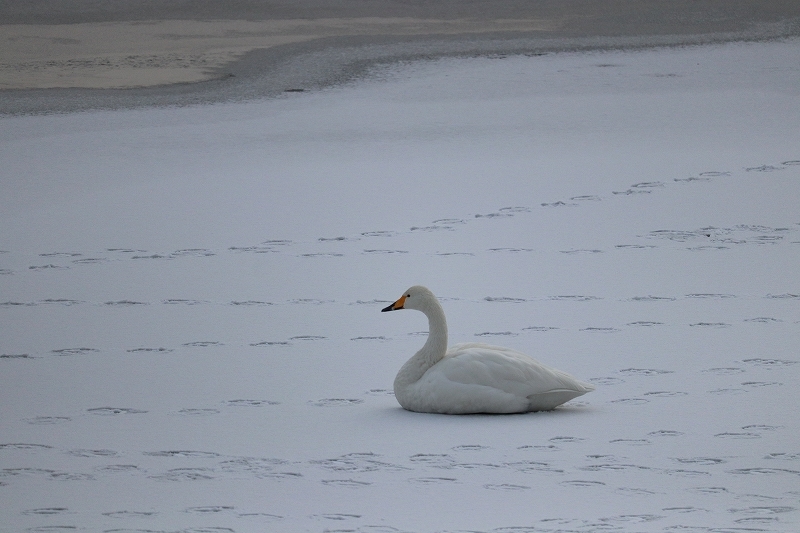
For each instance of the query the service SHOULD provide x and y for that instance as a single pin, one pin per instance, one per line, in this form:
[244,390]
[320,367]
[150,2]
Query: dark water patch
[115,411]
[73,351]
[202,344]
[60,301]
[250,403]
[182,453]
[149,350]
[125,303]
[335,402]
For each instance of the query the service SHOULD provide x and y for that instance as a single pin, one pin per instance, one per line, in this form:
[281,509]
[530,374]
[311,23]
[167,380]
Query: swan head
[416,297]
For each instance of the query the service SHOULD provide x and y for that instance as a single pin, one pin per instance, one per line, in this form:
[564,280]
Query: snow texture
[190,335]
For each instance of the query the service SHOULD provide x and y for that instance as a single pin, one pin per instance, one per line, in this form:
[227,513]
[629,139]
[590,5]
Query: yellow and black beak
[395,306]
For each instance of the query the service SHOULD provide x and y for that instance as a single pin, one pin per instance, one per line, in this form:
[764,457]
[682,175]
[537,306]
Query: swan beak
[395,306]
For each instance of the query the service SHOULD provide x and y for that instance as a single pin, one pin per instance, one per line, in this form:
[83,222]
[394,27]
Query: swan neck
[436,345]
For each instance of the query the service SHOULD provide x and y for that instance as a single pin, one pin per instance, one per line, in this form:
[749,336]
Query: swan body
[474,377]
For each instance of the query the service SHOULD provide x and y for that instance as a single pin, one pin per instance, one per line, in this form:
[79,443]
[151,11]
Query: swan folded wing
[508,370]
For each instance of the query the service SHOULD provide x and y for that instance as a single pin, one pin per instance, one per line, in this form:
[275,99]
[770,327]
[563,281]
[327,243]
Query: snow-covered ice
[190,335]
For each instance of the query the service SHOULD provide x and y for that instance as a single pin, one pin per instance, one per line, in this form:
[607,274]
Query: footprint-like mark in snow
[93,453]
[496,334]
[583,483]
[202,344]
[769,363]
[631,401]
[644,372]
[722,371]
[506,487]
[149,350]
[74,351]
[198,412]
[351,483]
[250,403]
[48,511]
[130,514]
[185,474]
[209,509]
[24,446]
[47,420]
[183,453]
[335,402]
[182,301]
[705,461]
[665,394]
[115,411]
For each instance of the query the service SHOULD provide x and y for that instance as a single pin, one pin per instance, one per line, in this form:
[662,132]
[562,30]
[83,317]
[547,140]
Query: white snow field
[190,327]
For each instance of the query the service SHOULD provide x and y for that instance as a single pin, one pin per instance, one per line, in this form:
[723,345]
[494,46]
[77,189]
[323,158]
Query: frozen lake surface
[190,335]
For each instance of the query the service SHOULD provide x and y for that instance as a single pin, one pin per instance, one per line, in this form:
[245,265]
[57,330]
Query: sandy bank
[142,54]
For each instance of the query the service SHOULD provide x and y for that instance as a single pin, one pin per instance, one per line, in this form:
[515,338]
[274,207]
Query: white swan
[474,377]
